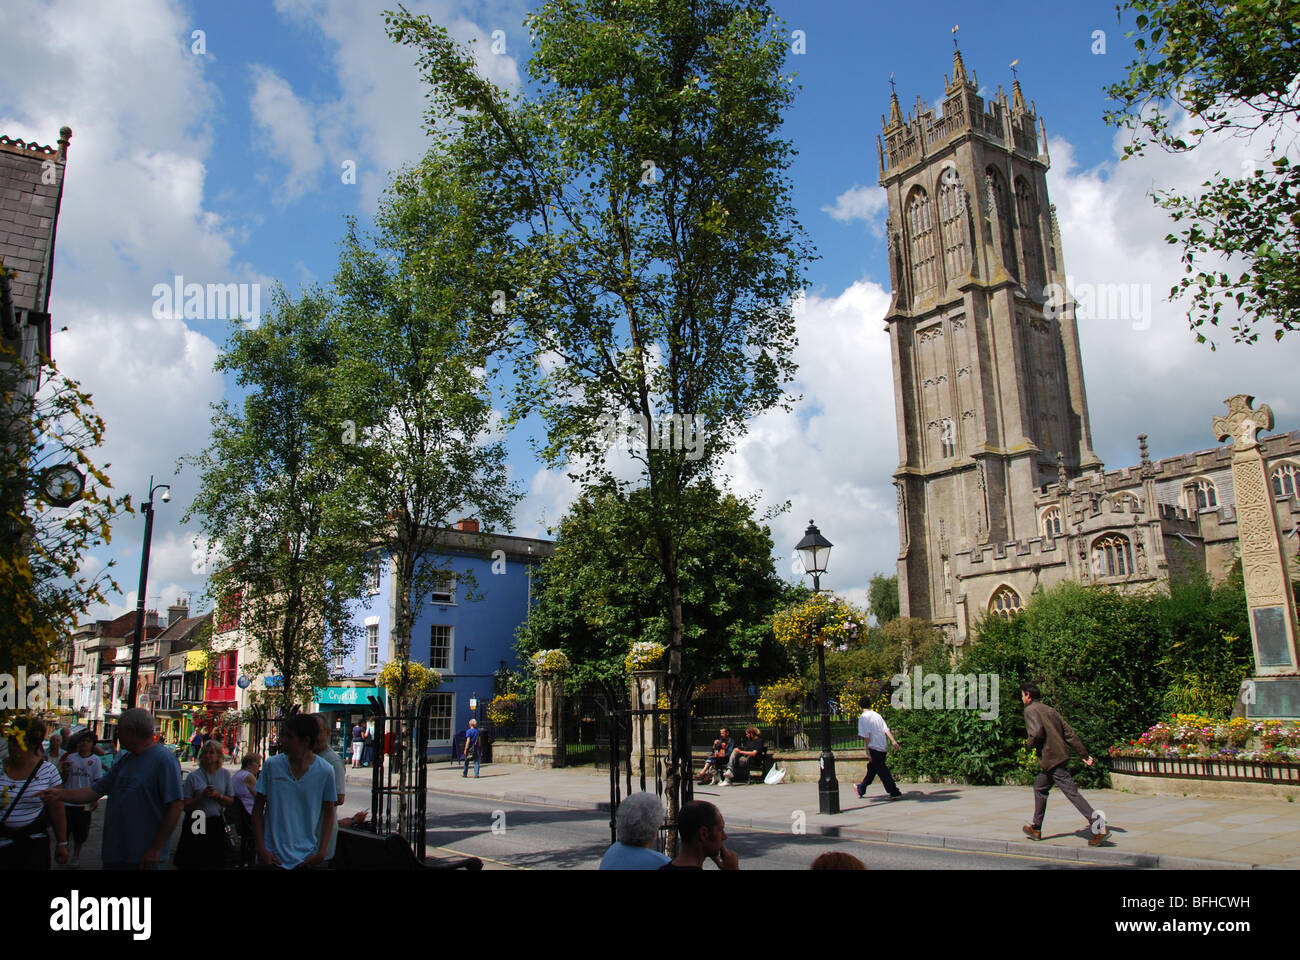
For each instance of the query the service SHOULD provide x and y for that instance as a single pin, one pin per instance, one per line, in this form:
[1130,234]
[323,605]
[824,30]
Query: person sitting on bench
[744,755]
[717,761]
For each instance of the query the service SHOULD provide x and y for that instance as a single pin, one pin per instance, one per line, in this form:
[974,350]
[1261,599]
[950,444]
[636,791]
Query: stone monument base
[1275,698]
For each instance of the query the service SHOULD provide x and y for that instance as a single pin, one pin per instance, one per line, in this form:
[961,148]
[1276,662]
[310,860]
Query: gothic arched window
[1003,210]
[920,236]
[1200,494]
[1286,479]
[1112,556]
[1052,523]
[952,217]
[1027,214]
[1005,602]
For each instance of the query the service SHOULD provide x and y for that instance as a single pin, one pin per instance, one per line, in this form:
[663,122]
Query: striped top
[30,806]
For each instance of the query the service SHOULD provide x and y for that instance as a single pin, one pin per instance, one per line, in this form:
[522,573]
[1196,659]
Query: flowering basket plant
[1193,736]
[821,618]
[504,709]
[778,703]
[550,663]
[644,655]
[419,678]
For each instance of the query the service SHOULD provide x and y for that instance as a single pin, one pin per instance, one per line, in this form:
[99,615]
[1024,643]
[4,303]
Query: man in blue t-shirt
[145,800]
[293,813]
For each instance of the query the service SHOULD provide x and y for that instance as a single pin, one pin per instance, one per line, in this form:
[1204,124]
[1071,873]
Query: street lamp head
[814,549]
[166,494]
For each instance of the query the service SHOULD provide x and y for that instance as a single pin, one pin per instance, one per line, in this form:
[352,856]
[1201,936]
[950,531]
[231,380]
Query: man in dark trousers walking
[1050,734]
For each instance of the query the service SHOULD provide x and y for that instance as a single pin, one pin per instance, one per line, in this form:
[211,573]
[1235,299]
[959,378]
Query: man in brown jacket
[1050,734]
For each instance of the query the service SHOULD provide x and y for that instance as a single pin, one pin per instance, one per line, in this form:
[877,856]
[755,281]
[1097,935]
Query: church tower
[988,380]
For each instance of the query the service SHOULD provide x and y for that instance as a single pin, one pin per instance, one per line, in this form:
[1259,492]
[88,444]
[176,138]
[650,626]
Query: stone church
[999,488]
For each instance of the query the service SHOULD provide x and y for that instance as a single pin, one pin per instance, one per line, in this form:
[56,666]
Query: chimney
[151,619]
[180,610]
[467,526]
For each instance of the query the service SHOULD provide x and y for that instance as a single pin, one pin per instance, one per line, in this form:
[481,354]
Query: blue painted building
[465,640]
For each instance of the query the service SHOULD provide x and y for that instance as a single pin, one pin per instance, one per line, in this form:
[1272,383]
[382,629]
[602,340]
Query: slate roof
[29,210]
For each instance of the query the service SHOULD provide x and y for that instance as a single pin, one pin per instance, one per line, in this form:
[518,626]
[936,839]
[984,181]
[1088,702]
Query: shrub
[503,711]
[778,703]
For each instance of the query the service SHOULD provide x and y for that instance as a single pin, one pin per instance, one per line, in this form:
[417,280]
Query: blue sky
[226,166]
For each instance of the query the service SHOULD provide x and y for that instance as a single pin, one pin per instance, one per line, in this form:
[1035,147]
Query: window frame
[450,647]
[436,716]
[1111,562]
[1200,494]
[1291,471]
[372,649]
[1007,611]
[1053,531]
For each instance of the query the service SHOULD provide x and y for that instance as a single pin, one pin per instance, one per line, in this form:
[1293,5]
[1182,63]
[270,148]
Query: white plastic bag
[774,775]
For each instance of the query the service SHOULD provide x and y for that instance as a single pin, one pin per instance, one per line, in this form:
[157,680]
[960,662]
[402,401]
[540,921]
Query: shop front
[345,706]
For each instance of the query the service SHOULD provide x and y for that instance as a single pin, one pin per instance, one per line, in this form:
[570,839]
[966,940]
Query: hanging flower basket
[550,663]
[644,655]
[822,618]
[419,678]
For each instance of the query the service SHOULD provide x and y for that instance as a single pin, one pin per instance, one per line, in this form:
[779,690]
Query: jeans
[465,771]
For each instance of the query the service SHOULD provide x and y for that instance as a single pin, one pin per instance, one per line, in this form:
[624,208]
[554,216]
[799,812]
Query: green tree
[647,185]
[410,396]
[44,586]
[1232,68]
[1207,650]
[882,598]
[603,589]
[273,501]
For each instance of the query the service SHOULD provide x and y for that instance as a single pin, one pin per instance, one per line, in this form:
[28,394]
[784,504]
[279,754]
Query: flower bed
[1194,746]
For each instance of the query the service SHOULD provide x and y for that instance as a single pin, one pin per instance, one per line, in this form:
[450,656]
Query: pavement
[1185,832]
[1181,833]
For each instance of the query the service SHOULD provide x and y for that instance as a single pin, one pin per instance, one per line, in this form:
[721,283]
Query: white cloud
[861,203]
[1148,375]
[287,122]
[834,456]
[377,121]
[134,213]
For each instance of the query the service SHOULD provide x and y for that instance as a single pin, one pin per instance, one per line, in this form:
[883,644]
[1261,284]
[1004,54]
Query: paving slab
[1147,832]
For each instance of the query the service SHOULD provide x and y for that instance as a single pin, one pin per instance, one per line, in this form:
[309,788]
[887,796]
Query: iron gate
[657,727]
[400,772]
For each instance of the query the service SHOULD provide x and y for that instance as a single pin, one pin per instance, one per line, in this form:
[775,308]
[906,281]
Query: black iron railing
[400,772]
[1199,768]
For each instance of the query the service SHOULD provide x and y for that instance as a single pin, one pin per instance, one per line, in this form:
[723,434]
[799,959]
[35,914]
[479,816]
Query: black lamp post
[144,577]
[814,549]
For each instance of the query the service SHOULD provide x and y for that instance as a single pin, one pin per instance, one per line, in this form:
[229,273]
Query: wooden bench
[362,850]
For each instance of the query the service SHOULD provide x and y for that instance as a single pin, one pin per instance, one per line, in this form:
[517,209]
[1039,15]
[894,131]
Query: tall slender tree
[285,546]
[647,192]
[410,396]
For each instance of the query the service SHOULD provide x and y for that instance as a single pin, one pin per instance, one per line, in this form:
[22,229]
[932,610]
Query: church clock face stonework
[988,379]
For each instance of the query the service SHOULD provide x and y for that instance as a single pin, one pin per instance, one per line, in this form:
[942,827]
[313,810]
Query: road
[524,836]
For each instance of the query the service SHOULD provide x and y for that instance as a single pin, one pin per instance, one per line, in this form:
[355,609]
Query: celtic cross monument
[1274,691]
